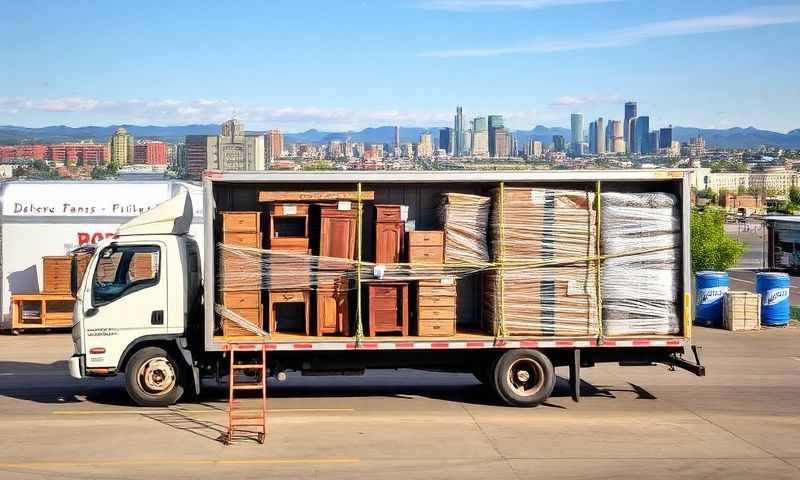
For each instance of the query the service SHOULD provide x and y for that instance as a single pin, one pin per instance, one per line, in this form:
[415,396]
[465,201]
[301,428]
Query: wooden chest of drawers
[426,247]
[436,309]
[242,229]
[388,308]
[389,234]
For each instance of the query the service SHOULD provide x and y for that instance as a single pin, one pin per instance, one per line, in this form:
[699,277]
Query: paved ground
[741,421]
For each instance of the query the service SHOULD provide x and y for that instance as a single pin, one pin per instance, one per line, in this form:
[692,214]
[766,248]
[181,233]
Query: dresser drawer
[246,299]
[289,209]
[241,222]
[433,255]
[436,328]
[242,239]
[380,291]
[387,213]
[287,297]
[384,303]
[436,291]
[437,313]
[437,301]
[423,238]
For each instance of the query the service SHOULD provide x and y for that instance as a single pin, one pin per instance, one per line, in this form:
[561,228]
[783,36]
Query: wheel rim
[525,377]
[156,376]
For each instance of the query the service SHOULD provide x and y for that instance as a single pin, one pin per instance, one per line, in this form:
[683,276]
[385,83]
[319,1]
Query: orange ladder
[255,419]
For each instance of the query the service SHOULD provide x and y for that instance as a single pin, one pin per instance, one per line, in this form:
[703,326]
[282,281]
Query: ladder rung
[253,366]
[247,422]
[254,386]
[236,413]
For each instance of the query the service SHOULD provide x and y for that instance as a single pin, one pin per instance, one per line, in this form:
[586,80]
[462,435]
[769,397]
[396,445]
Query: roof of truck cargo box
[415,176]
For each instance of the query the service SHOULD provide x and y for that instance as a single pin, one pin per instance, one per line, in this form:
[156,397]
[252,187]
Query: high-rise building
[120,147]
[444,139]
[495,122]
[576,122]
[593,138]
[617,144]
[642,132]
[480,137]
[559,145]
[150,152]
[458,132]
[397,136]
[534,148]
[632,143]
[425,147]
[466,142]
[273,145]
[653,146]
[665,137]
[231,150]
[502,138]
[600,136]
[631,111]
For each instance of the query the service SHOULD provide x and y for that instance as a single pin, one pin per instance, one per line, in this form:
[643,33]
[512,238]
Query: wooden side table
[289,296]
[388,308]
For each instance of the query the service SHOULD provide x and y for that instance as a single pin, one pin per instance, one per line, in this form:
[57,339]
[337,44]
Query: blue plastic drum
[775,304]
[711,289]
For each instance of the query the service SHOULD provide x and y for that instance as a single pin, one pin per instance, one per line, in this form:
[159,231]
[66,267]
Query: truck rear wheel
[154,378]
[524,378]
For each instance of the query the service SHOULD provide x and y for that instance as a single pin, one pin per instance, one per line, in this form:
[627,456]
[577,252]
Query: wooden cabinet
[288,227]
[436,309]
[388,308]
[389,234]
[426,247]
[337,232]
[277,297]
[333,316]
[241,229]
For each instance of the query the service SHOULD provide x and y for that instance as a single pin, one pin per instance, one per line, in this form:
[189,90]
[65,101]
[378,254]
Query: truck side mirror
[73,276]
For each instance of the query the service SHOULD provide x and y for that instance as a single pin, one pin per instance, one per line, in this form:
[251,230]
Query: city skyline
[699,51]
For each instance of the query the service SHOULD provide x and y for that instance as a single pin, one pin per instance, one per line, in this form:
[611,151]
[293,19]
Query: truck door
[127,299]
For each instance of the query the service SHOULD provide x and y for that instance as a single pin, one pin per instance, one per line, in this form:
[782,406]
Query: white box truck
[162,331]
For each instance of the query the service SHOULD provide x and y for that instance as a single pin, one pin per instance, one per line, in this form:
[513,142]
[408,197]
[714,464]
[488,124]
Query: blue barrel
[711,289]
[775,304]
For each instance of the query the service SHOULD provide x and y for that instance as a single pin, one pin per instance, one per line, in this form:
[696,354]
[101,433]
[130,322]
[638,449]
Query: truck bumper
[76,366]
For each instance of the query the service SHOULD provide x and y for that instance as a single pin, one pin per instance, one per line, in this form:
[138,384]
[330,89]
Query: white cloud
[746,19]
[482,5]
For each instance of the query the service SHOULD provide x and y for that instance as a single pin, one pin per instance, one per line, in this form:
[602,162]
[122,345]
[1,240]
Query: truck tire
[524,378]
[154,378]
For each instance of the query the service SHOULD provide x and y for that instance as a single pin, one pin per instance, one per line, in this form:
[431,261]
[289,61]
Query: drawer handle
[288,297]
[437,327]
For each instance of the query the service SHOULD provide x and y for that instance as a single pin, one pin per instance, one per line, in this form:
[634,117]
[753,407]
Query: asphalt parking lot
[741,421]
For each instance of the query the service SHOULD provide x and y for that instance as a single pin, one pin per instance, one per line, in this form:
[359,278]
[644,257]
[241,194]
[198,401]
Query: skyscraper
[600,136]
[642,132]
[444,139]
[559,145]
[630,112]
[480,137]
[502,142]
[632,143]
[120,147]
[425,147]
[653,146]
[665,137]
[495,122]
[593,137]
[458,128]
[617,144]
[576,121]
[273,145]
[397,137]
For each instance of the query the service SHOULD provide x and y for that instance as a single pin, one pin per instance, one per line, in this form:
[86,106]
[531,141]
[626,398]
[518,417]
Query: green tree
[712,248]
[794,195]
[318,165]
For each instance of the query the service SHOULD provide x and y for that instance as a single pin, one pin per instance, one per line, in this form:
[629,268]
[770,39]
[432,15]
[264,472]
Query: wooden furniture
[436,308]
[337,238]
[389,234]
[426,247]
[241,229]
[333,315]
[388,308]
[57,272]
[288,227]
[288,296]
[83,259]
[41,310]
[313,196]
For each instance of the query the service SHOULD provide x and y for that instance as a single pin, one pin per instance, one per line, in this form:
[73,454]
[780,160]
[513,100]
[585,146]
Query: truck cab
[135,303]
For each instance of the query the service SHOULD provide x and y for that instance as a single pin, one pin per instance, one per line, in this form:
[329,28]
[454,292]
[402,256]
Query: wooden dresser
[289,231]
[436,308]
[388,308]
[337,238]
[426,247]
[389,234]
[242,229]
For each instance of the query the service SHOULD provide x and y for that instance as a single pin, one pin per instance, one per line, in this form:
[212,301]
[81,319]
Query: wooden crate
[741,311]
[57,273]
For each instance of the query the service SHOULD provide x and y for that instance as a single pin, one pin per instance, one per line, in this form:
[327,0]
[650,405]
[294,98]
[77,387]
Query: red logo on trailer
[86,238]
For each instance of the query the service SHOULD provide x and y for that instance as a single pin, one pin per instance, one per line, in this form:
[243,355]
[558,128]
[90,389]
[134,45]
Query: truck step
[248,386]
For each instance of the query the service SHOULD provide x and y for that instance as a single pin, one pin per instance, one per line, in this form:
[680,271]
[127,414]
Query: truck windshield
[122,270]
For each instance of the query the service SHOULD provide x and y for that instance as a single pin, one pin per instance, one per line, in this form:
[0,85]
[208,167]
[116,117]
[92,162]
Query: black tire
[524,378]
[154,378]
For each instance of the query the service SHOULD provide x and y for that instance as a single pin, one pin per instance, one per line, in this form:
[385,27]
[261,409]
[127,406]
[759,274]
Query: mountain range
[724,138]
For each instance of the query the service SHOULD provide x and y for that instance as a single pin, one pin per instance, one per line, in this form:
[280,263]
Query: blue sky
[350,64]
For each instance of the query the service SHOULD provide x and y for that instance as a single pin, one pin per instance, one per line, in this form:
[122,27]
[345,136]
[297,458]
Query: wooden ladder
[252,419]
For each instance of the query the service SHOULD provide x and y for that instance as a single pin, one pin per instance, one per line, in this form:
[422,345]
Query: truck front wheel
[154,378]
[524,378]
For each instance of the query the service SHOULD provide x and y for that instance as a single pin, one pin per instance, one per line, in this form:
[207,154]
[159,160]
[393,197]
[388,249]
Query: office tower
[600,133]
[273,145]
[231,150]
[665,137]
[576,121]
[396,136]
[495,122]
[653,147]
[150,152]
[630,112]
[466,142]
[120,147]
[593,137]
[503,142]
[534,148]
[458,132]
[617,144]
[425,147]
[559,145]
[480,137]
[642,132]
[445,134]
[632,142]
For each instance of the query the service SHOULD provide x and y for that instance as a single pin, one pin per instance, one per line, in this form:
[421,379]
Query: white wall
[52,218]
